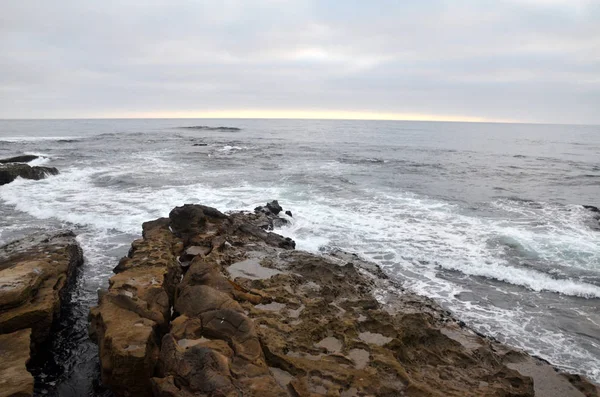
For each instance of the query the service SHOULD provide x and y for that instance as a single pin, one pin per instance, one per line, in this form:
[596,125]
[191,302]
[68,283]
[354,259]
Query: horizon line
[471,121]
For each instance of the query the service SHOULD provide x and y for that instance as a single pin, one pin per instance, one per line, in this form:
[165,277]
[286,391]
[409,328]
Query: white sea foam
[228,148]
[410,228]
[41,160]
[412,236]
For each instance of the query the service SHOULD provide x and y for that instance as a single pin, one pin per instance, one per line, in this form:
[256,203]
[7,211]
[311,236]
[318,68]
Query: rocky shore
[213,304]
[34,275]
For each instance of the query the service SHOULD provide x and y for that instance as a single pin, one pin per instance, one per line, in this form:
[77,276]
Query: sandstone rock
[253,317]
[34,272]
[10,172]
[15,380]
[134,313]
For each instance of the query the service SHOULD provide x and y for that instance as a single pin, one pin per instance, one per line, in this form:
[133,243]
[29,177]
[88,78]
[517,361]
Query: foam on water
[415,238]
[73,197]
[436,247]
[41,160]
[411,236]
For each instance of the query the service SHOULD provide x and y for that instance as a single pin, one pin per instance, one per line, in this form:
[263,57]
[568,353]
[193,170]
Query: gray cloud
[533,60]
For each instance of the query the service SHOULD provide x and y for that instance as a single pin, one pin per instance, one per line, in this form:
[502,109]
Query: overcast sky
[498,60]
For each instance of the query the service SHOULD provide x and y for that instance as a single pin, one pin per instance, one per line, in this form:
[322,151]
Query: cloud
[534,60]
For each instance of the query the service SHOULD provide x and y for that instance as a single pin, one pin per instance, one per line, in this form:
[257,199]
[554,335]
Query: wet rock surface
[19,159]
[34,275]
[213,304]
[9,172]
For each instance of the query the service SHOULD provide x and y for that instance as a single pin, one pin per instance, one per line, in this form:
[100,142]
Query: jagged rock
[26,158]
[134,313]
[15,380]
[34,272]
[10,172]
[253,317]
[274,207]
[289,213]
[591,208]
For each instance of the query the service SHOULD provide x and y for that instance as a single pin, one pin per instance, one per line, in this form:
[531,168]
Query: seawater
[484,218]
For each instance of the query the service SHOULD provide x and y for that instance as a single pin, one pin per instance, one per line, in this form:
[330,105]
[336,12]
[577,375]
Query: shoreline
[254,277]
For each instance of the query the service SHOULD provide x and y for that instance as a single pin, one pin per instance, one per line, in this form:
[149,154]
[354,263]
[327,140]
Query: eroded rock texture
[34,273]
[15,380]
[253,317]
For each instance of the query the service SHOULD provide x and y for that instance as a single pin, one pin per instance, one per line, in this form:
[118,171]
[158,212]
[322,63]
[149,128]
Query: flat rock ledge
[34,273]
[209,304]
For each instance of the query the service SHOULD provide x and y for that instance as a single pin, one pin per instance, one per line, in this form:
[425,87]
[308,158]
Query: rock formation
[208,304]
[34,273]
[19,159]
[10,172]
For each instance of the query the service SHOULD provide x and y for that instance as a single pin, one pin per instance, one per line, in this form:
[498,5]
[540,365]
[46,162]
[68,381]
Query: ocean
[487,219]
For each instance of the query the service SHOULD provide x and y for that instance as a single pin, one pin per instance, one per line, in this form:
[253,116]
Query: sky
[472,60]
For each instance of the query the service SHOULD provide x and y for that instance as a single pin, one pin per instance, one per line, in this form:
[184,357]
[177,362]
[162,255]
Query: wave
[531,279]
[361,160]
[18,139]
[229,148]
[209,128]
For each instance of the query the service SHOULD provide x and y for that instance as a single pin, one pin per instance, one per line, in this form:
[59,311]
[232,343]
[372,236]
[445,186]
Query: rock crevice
[34,274]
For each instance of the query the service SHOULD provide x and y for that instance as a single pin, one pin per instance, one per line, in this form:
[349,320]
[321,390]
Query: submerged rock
[253,317]
[10,172]
[34,274]
[26,158]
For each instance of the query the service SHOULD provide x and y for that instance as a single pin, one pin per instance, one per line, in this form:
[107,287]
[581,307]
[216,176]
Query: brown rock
[15,380]
[291,323]
[34,272]
[132,316]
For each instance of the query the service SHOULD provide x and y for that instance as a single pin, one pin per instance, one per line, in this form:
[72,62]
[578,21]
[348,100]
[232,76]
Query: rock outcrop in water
[10,172]
[594,222]
[34,273]
[208,304]
[26,158]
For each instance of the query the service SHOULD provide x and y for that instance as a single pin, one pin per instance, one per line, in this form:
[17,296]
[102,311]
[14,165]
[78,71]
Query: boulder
[15,380]
[26,158]
[274,207]
[10,172]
